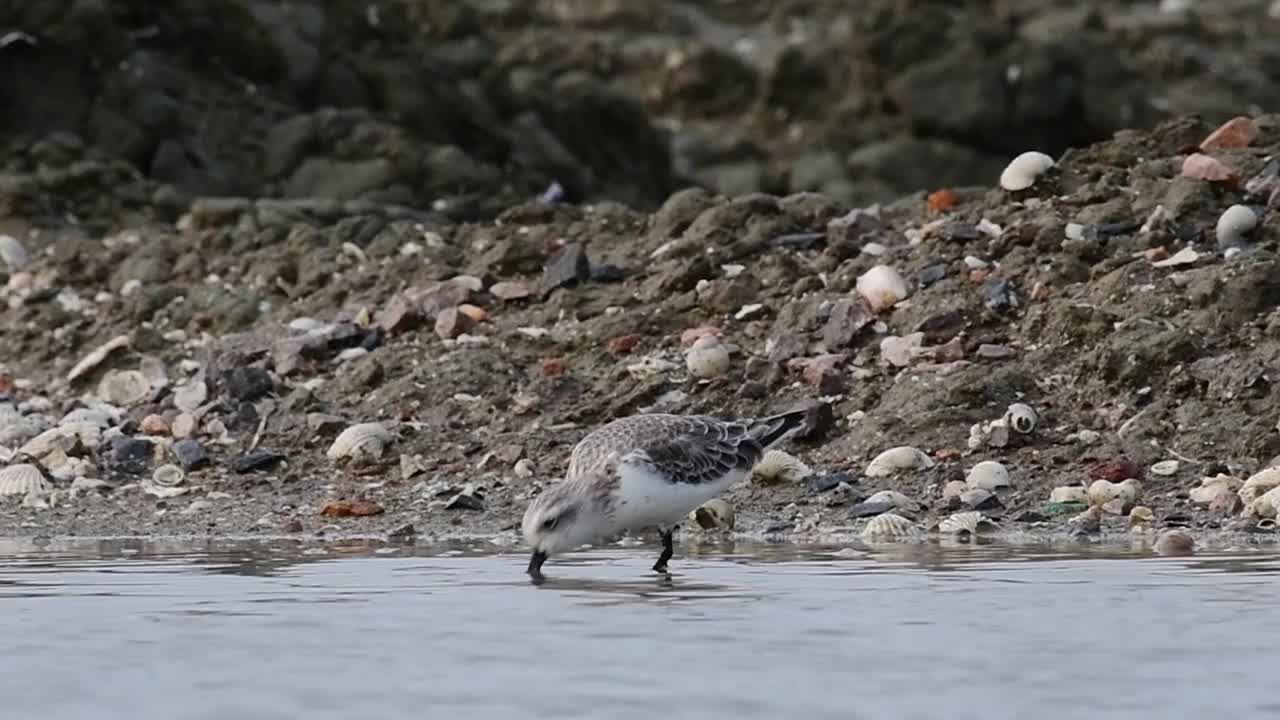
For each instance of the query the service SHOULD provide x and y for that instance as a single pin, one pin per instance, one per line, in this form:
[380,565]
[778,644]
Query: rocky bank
[490,228]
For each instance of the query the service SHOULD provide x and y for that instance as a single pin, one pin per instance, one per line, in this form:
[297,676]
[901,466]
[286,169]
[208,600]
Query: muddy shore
[270,268]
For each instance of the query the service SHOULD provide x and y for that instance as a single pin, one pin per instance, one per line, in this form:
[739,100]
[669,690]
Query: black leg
[667,551]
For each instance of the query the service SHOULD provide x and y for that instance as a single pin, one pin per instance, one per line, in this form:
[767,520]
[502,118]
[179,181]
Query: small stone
[451,323]
[1235,133]
[477,314]
[1115,470]
[127,450]
[247,383]
[1226,503]
[351,508]
[989,351]
[403,533]
[256,460]
[1203,167]
[980,499]
[869,509]
[465,500]
[942,200]
[324,423]
[932,274]
[819,484]
[553,367]
[524,468]
[189,454]
[999,294]
[154,425]
[510,290]
[1174,542]
[623,344]
[693,335]
[815,369]
[184,425]
[568,267]
[847,319]
[293,526]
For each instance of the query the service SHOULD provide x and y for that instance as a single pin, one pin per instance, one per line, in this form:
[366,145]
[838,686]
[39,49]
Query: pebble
[882,287]
[568,267]
[819,484]
[1203,167]
[932,274]
[1024,170]
[999,294]
[1235,133]
[1234,223]
[897,460]
[155,425]
[189,454]
[1174,542]
[708,358]
[13,254]
[988,475]
[247,383]
[256,460]
[991,351]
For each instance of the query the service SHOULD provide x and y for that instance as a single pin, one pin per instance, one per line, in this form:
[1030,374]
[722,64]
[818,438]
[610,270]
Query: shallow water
[248,631]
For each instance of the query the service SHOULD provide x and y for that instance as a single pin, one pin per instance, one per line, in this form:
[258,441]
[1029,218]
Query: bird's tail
[769,431]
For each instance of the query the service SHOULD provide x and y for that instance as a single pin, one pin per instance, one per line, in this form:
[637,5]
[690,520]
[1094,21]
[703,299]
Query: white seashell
[1233,224]
[779,466]
[1165,467]
[523,468]
[360,440]
[1023,171]
[1259,483]
[988,475]
[1021,417]
[124,387]
[893,499]
[13,254]
[707,358]
[96,356]
[1103,491]
[882,287]
[897,460]
[972,522]
[714,514]
[888,526]
[23,479]
[1069,494]
[168,475]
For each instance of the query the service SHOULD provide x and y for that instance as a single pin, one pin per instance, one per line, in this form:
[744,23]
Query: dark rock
[247,383]
[1030,516]
[823,483]
[256,460]
[132,453]
[607,273]
[779,526]
[568,267]
[465,501]
[942,327]
[960,232]
[787,346]
[932,274]
[999,294]
[869,509]
[848,318]
[189,454]
[404,533]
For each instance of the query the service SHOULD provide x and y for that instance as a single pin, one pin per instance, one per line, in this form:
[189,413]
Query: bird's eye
[550,523]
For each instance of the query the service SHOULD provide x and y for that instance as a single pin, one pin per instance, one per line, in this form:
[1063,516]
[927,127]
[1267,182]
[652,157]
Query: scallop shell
[1069,494]
[892,498]
[882,287]
[708,358]
[714,514]
[1023,171]
[1022,418]
[13,254]
[888,526]
[1233,224]
[124,387]
[896,460]
[972,522]
[360,440]
[779,466]
[988,475]
[22,479]
[1259,483]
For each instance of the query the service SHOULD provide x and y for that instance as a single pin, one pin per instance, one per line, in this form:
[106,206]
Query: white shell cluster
[888,526]
[360,441]
[882,287]
[779,466]
[1023,171]
[898,460]
[707,358]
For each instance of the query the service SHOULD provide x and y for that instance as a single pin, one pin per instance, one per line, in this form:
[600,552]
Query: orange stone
[693,335]
[623,344]
[1237,132]
[1204,167]
[553,367]
[942,200]
[155,425]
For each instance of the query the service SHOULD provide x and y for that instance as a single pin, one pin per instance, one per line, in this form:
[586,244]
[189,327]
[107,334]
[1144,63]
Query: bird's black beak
[535,563]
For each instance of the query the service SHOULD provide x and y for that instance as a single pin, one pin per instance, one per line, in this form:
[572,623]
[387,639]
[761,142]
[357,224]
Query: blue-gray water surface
[258,631]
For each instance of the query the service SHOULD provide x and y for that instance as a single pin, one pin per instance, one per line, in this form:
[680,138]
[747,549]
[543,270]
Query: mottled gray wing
[697,450]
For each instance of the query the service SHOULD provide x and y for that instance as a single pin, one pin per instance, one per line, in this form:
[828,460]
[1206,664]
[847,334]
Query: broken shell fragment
[779,466]
[708,358]
[1165,467]
[124,387]
[1022,418]
[1234,223]
[971,523]
[1069,494]
[988,475]
[896,460]
[714,514]
[1211,487]
[882,287]
[363,440]
[23,479]
[1023,171]
[888,526]
[168,475]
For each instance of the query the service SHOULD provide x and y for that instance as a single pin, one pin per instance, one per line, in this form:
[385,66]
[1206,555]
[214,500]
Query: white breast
[648,500]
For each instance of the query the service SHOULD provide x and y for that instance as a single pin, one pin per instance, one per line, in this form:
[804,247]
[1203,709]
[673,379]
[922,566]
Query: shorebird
[647,471]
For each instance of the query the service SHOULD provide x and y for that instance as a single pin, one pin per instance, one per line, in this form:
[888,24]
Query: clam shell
[972,522]
[22,479]
[888,526]
[1233,224]
[988,475]
[882,287]
[1023,171]
[779,466]
[893,498]
[168,475]
[124,387]
[1022,418]
[1166,467]
[360,440]
[714,514]
[896,460]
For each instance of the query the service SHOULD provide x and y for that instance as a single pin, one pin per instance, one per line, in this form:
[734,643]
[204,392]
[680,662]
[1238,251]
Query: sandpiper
[647,471]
